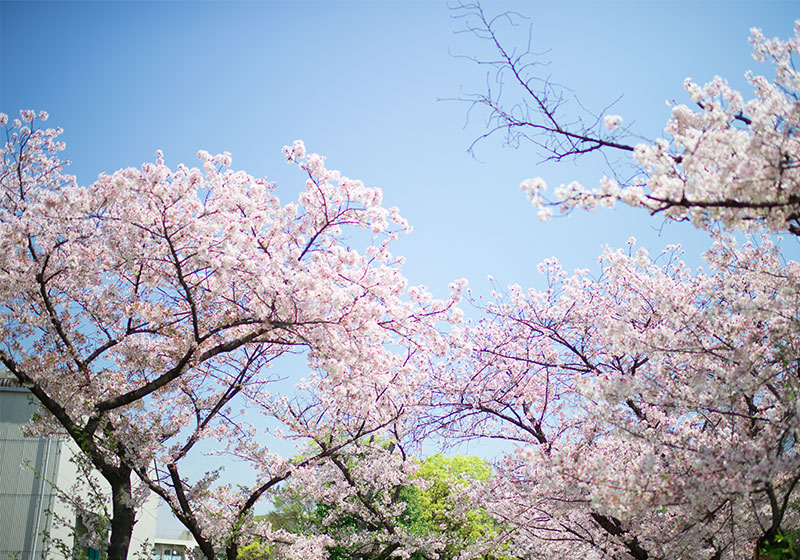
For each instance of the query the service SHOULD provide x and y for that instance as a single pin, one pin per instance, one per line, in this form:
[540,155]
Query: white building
[172,549]
[30,469]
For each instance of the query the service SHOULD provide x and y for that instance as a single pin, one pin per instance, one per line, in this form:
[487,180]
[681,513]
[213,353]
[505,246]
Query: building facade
[32,520]
[172,549]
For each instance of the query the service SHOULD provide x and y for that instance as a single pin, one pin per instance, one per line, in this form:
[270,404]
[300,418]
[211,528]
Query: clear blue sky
[359,82]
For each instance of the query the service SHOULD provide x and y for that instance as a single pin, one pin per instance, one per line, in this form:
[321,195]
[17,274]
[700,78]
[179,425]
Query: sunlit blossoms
[612,122]
[145,312]
[653,407]
[726,161]
[651,410]
[656,404]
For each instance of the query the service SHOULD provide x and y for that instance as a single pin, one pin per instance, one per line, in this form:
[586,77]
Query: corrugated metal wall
[25,497]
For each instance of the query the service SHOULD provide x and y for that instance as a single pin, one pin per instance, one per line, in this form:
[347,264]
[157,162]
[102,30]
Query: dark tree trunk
[232,551]
[123,515]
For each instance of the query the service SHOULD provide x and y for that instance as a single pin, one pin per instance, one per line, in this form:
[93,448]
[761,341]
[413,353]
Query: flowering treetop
[654,407]
[141,309]
[729,161]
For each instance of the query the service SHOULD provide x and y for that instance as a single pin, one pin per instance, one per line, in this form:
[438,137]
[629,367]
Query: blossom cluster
[728,162]
[145,312]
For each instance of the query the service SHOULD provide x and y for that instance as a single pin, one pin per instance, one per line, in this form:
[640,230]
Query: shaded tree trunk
[123,514]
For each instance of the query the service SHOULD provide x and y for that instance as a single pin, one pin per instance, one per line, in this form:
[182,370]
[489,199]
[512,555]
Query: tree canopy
[431,503]
[652,410]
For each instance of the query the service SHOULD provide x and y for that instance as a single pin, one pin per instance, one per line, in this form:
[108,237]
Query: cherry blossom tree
[144,313]
[654,407]
[373,501]
[362,503]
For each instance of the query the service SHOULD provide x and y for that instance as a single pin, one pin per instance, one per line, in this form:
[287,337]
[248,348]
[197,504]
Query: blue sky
[361,83]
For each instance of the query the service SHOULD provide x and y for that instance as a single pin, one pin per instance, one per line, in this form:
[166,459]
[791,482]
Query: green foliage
[446,476]
[411,520]
[443,514]
[785,545]
[432,508]
[292,513]
[256,551]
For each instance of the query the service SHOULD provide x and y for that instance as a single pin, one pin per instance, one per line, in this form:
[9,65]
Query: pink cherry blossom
[146,310]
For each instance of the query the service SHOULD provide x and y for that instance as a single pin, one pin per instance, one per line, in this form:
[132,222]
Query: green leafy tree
[446,509]
[427,513]
[358,502]
[785,545]
[256,550]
